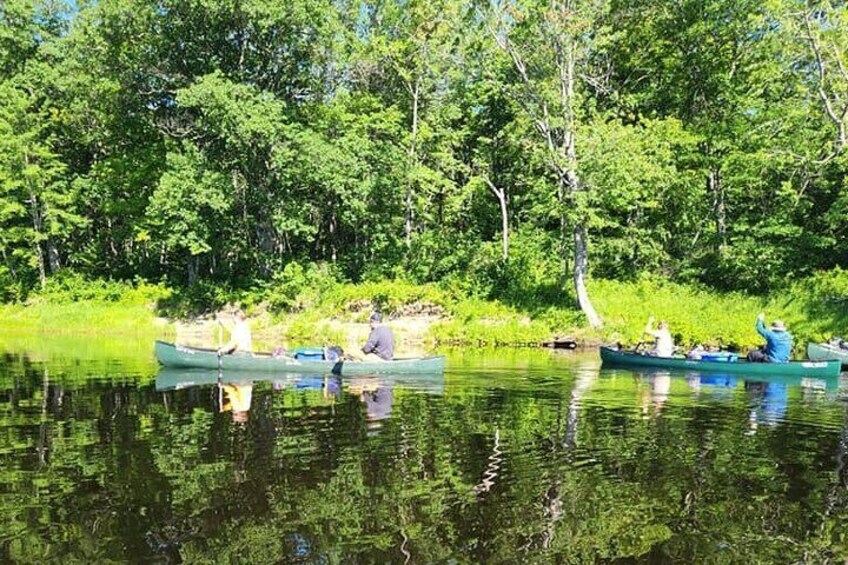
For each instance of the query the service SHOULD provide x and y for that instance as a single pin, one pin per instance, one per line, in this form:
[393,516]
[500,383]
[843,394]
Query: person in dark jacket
[381,340]
[778,345]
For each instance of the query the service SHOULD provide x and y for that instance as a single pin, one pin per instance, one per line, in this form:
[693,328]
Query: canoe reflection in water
[377,394]
[235,391]
[766,398]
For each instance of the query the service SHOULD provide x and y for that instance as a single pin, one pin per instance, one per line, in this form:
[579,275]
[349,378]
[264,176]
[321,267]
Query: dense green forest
[487,144]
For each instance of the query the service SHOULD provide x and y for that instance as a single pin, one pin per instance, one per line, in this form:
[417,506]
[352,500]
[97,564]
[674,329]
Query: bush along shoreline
[308,305]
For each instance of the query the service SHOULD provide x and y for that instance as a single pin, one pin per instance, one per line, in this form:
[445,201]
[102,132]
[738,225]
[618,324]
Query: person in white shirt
[241,339]
[664,344]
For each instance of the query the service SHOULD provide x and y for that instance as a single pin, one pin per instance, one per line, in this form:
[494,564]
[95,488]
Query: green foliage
[226,149]
[695,314]
[72,304]
[68,286]
[311,305]
[187,204]
[299,288]
[492,323]
[813,308]
[392,298]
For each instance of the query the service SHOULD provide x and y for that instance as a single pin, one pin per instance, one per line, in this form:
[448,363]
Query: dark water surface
[509,457]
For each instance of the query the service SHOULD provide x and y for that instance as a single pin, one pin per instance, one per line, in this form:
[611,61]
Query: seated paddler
[381,341]
[778,345]
[241,338]
[663,342]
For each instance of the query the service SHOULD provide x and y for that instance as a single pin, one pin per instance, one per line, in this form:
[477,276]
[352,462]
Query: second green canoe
[826,368]
[172,355]
[825,351]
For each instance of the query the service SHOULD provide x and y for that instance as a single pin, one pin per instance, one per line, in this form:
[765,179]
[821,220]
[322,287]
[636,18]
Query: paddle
[220,387]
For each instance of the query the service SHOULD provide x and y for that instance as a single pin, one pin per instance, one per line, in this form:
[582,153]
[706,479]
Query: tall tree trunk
[333,237]
[716,188]
[581,245]
[500,193]
[193,269]
[415,92]
[581,269]
[35,213]
[42,272]
[560,139]
[53,256]
[39,250]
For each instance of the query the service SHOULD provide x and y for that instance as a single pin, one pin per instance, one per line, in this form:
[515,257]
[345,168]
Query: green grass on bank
[309,306]
[70,305]
[814,309]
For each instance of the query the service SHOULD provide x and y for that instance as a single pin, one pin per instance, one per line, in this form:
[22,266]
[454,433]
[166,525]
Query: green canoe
[825,351]
[824,369]
[171,355]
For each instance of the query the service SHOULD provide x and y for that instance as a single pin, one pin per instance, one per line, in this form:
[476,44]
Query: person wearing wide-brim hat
[778,345]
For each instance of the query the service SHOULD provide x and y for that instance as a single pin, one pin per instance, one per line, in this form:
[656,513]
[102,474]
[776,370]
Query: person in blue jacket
[778,343]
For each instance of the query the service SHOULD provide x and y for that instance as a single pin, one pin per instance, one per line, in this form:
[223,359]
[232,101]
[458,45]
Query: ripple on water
[537,459]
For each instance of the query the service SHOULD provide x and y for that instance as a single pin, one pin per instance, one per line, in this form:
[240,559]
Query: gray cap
[376,317]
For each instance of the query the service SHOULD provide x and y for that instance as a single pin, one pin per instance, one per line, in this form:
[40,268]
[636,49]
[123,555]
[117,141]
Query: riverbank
[426,316]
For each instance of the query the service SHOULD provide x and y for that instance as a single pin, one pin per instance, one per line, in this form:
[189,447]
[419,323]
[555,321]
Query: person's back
[778,346]
[664,344]
[381,340]
[241,338]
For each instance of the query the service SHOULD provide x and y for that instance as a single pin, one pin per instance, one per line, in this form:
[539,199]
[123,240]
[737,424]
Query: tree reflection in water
[523,464]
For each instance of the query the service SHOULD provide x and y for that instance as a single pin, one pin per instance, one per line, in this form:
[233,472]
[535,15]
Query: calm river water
[511,456]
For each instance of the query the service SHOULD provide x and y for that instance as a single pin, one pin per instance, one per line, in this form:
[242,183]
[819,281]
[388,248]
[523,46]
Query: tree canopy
[188,140]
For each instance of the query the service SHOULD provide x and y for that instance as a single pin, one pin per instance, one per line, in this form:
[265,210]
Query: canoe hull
[824,368]
[180,356]
[823,352]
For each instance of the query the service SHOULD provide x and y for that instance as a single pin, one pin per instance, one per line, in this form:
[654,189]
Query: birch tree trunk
[500,194]
[715,187]
[581,269]
[53,255]
[566,59]
[415,92]
[830,65]
[542,99]
[36,215]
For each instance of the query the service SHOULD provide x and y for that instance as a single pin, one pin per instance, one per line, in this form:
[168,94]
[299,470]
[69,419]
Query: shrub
[298,288]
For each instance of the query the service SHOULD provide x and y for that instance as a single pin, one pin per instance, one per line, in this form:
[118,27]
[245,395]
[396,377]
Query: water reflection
[377,396]
[767,398]
[656,394]
[550,461]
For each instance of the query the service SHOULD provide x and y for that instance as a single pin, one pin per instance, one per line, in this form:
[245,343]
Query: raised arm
[227,326]
[761,326]
[649,329]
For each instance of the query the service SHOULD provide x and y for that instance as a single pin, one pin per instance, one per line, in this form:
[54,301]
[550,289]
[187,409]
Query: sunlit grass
[332,312]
